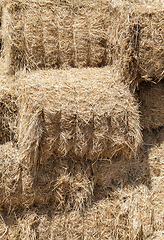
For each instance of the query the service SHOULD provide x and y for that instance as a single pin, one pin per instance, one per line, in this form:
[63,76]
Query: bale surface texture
[53,34]
[136,41]
[87,113]
[8,110]
[63,184]
[151,96]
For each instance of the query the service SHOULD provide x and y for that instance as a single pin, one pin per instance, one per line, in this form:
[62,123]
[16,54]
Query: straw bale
[127,215]
[135,40]
[61,184]
[142,52]
[151,97]
[85,113]
[52,34]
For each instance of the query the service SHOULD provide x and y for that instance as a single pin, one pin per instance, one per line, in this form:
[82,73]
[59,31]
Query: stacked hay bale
[135,212]
[82,113]
[41,34]
[137,41]
[67,120]
[128,214]
[138,48]
[145,61]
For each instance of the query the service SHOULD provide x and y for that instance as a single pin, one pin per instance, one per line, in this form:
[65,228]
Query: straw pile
[40,34]
[85,113]
[151,97]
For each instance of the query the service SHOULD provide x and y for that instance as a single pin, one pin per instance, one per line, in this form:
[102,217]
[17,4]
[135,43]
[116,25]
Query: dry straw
[8,111]
[63,185]
[127,213]
[136,40]
[44,34]
[85,113]
[65,121]
[151,97]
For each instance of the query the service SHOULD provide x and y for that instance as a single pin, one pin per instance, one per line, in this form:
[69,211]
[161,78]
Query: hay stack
[50,34]
[85,113]
[151,97]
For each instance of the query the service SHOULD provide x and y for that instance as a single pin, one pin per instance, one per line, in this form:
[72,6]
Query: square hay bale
[136,40]
[151,97]
[79,114]
[53,34]
[63,185]
[126,215]
[145,46]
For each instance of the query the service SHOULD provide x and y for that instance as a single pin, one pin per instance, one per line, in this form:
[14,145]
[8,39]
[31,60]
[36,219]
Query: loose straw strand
[4,226]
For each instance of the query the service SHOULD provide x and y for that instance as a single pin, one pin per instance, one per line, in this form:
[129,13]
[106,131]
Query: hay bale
[151,97]
[64,185]
[127,215]
[85,113]
[51,35]
[140,36]
[135,40]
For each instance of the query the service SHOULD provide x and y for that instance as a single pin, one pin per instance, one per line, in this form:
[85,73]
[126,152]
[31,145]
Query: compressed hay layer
[41,35]
[136,41]
[85,113]
[151,97]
